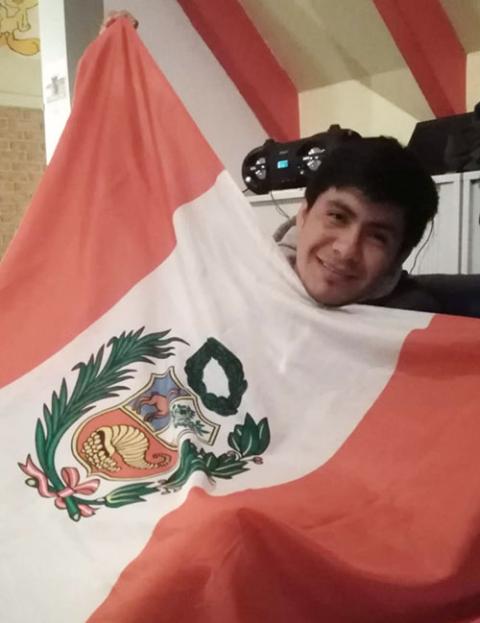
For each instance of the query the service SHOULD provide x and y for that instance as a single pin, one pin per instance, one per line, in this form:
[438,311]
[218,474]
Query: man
[364,211]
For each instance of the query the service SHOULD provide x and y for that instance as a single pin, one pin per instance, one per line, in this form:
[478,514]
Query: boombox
[274,166]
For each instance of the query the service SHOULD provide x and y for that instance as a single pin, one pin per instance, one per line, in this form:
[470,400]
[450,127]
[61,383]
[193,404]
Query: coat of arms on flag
[156,431]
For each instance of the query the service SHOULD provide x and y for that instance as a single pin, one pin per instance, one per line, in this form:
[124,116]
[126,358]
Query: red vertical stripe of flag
[385,531]
[76,255]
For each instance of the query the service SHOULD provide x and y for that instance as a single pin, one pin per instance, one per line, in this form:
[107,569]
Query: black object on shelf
[449,144]
[275,166]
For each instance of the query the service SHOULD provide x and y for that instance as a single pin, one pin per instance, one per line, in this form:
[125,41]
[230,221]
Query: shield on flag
[140,438]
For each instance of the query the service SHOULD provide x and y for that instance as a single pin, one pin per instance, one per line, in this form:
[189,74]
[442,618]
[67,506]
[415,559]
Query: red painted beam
[237,45]
[428,42]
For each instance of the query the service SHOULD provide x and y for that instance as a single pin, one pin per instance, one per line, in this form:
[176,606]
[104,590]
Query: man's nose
[347,244]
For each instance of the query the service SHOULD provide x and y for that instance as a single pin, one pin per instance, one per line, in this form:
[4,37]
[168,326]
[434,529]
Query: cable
[424,244]
[278,208]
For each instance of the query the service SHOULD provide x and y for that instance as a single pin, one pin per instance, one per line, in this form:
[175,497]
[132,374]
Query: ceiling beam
[428,42]
[247,59]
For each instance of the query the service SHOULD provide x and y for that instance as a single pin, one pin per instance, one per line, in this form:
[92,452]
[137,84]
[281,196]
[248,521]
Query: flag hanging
[185,434]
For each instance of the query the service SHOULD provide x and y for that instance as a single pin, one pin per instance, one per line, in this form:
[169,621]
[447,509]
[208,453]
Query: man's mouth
[337,270]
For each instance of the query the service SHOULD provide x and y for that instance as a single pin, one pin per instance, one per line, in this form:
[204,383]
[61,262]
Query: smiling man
[347,243]
[364,211]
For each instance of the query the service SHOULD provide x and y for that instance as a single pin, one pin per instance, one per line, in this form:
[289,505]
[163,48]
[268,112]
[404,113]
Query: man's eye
[337,217]
[380,238]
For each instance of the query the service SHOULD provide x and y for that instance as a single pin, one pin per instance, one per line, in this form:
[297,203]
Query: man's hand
[113,15]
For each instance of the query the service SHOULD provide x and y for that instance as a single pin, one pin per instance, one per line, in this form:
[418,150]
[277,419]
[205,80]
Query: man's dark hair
[385,172]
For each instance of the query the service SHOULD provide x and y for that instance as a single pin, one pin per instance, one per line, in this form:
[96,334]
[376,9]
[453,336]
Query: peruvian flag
[185,434]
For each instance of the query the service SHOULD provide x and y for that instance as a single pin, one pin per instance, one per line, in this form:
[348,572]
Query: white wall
[53,49]
[212,99]
[473,80]
[356,106]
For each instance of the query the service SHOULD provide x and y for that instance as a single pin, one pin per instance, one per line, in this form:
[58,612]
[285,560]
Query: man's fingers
[114,15]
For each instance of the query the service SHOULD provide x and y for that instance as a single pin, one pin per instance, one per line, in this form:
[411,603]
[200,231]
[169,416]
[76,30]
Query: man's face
[346,244]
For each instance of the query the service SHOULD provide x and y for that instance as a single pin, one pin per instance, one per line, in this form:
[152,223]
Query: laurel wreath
[98,379]
[247,440]
[231,366]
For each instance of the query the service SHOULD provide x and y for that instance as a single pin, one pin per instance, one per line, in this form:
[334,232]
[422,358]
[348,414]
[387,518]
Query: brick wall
[22,160]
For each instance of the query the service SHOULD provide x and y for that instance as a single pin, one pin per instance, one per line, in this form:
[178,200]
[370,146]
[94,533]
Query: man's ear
[302,214]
